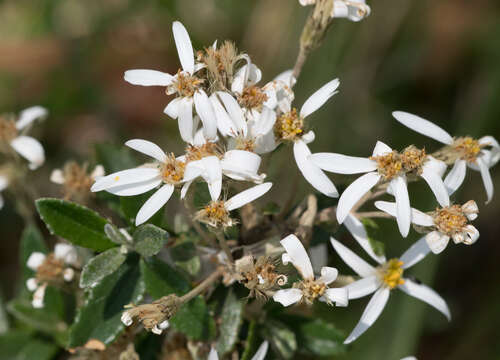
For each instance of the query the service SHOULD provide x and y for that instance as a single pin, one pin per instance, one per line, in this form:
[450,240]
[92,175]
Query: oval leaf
[101,266]
[231,320]
[149,240]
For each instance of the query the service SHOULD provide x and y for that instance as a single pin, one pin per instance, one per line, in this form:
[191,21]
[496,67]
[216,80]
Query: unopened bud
[154,317]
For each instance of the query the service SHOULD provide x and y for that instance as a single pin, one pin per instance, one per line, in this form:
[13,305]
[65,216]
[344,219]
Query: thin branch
[373,214]
[223,244]
[205,284]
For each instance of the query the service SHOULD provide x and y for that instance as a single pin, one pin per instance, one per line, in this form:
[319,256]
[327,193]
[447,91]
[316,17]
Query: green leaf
[281,337]
[130,206]
[75,223]
[185,255]
[372,230]
[114,158]
[31,241]
[42,349]
[201,195]
[320,338]
[161,279]
[115,235]
[101,266]
[251,341]
[194,320]
[231,320]
[149,240]
[271,208]
[99,317]
[18,345]
[4,320]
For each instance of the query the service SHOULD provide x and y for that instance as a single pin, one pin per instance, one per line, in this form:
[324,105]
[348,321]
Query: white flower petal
[4,182]
[371,313]
[415,253]
[342,164]
[30,149]
[224,123]
[313,174]
[287,78]
[35,260]
[125,177]
[339,296]
[431,174]
[486,176]
[27,116]
[436,241]
[31,284]
[98,172]
[213,355]
[472,234]
[148,148]
[328,274]
[298,256]
[381,149]
[247,75]
[247,196]
[135,188]
[456,176]
[264,123]
[261,352]
[67,253]
[358,231]
[185,189]
[57,177]
[426,294]
[212,175]
[316,100]
[185,119]
[403,209]
[355,191]
[361,267]
[39,296]
[172,109]
[184,47]
[417,216]
[422,126]
[234,111]
[241,165]
[154,203]
[363,287]
[287,297]
[206,113]
[147,77]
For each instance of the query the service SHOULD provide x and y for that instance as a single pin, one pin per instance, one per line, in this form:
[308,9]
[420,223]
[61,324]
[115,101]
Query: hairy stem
[373,214]
[223,245]
[205,284]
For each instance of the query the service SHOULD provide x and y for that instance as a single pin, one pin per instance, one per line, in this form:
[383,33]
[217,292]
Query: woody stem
[202,286]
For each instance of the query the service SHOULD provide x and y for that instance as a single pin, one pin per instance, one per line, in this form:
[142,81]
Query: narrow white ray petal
[308,137]
[247,196]
[98,172]
[381,149]
[339,296]
[265,122]
[363,287]
[193,169]
[185,189]
[212,175]
[30,149]
[206,113]
[286,77]
[489,141]
[238,84]
[456,176]
[184,47]
[417,216]
[172,109]
[185,119]
[135,188]
[213,355]
[125,177]
[224,123]
[342,164]
[371,313]
[436,241]
[147,77]
[147,147]
[261,351]
[313,174]
[422,126]
[355,191]
[57,177]
[35,260]
[403,209]
[328,274]
[234,111]
[154,203]
[427,295]
[27,116]
[241,165]
[316,100]
[287,297]
[340,9]
[358,231]
[361,267]
[472,234]
[297,254]
[431,175]
[486,176]
[415,253]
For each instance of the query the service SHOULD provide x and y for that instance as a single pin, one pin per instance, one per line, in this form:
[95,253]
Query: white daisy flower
[443,223]
[185,84]
[354,10]
[385,165]
[62,176]
[290,126]
[465,150]
[382,279]
[4,183]
[310,288]
[167,171]
[12,133]
[260,354]
[217,212]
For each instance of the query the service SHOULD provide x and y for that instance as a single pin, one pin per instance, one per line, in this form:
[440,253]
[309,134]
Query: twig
[223,244]
[202,286]
[373,214]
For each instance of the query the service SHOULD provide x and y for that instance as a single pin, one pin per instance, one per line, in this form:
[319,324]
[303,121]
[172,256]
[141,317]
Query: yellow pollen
[186,85]
[117,178]
[394,163]
[311,289]
[172,171]
[450,220]
[468,148]
[199,152]
[245,144]
[392,273]
[214,214]
[289,126]
[252,97]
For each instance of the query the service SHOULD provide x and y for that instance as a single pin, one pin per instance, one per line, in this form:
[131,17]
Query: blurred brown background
[439,59]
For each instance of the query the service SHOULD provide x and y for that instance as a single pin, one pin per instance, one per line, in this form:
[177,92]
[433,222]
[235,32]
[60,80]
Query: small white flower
[354,10]
[260,354]
[67,253]
[310,288]
[38,296]
[444,223]
[469,152]
[57,176]
[158,329]
[185,84]
[35,260]
[13,133]
[126,319]
[68,274]
[382,279]
[31,284]
[385,165]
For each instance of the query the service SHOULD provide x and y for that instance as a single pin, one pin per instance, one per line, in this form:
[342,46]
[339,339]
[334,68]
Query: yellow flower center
[392,273]
[394,163]
[172,171]
[311,289]
[468,148]
[450,220]
[186,85]
[199,152]
[289,126]
[245,144]
[214,214]
[252,97]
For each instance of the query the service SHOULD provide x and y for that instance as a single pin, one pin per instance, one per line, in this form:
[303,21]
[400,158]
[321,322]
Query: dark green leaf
[149,240]
[372,229]
[185,255]
[161,279]
[101,266]
[115,235]
[75,223]
[42,349]
[99,317]
[281,337]
[320,338]
[194,320]
[31,241]
[201,195]
[18,345]
[114,158]
[251,342]
[4,320]
[231,320]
